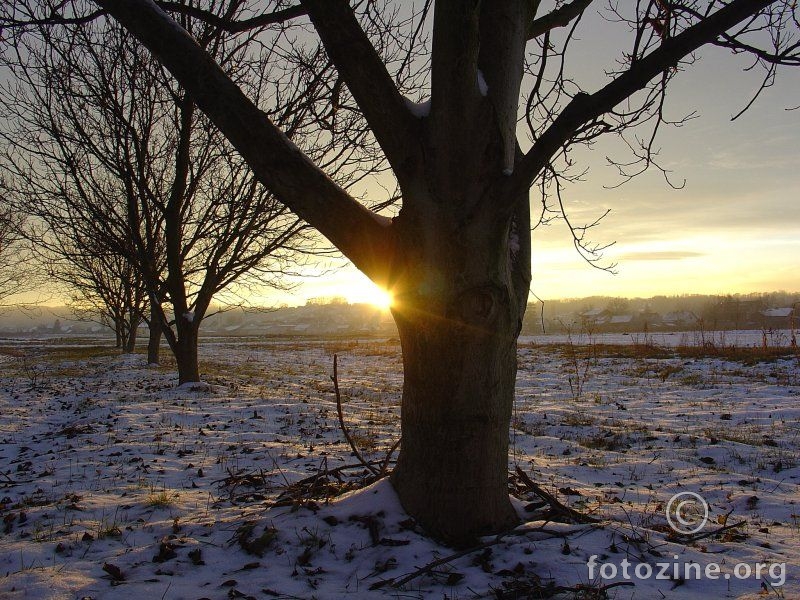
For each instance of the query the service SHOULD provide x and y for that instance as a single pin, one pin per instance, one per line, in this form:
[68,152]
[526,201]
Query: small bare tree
[103,287]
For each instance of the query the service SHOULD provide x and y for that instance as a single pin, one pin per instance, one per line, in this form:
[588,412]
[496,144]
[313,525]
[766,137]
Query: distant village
[779,310]
[336,317]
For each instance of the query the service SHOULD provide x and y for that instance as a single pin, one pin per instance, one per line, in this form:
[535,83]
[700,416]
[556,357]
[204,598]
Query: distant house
[647,318]
[779,318]
[594,316]
[620,319]
[618,323]
[679,318]
[777,313]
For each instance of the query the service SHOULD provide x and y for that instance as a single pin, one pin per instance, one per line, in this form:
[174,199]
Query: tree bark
[130,343]
[459,304]
[185,350]
[458,392]
[154,341]
[118,333]
[182,340]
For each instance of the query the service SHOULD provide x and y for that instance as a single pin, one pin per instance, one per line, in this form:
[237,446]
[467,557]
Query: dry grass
[81,352]
[747,355]
[577,419]
[162,499]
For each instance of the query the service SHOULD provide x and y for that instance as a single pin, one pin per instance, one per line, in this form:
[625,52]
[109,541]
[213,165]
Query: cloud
[660,255]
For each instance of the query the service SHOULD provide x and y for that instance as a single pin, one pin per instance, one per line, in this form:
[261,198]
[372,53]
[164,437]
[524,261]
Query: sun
[364,291]
[380,298]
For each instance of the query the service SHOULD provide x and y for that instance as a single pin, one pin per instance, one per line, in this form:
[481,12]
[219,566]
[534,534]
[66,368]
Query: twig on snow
[348,437]
[11,482]
[555,505]
[699,536]
[400,581]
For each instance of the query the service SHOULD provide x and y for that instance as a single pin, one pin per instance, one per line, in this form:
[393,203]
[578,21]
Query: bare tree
[103,287]
[457,257]
[101,143]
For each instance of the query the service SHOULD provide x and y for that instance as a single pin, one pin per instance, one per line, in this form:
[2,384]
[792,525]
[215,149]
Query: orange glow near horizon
[359,289]
[379,298]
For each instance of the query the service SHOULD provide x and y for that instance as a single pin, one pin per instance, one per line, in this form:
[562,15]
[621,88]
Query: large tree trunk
[460,300]
[463,277]
[458,392]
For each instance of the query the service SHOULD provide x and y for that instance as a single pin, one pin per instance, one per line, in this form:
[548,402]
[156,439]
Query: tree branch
[366,76]
[458,111]
[232,25]
[343,425]
[560,17]
[502,54]
[585,107]
[221,23]
[53,19]
[362,236]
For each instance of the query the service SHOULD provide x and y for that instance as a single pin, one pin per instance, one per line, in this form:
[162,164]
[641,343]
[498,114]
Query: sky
[734,227]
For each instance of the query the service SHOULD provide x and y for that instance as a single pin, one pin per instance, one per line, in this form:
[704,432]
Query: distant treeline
[334,316]
[773,310]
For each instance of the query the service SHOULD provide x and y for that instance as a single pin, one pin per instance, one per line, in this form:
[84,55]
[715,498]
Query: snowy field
[116,484]
[740,338]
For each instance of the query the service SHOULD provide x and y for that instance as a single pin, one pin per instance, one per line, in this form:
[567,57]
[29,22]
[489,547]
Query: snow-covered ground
[116,484]
[741,338]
